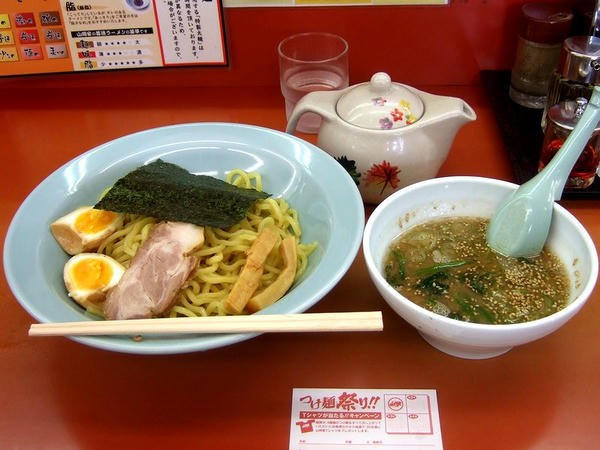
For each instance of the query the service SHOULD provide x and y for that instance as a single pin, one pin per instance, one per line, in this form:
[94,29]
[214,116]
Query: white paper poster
[57,36]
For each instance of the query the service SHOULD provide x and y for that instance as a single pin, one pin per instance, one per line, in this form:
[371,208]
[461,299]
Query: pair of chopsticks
[256,323]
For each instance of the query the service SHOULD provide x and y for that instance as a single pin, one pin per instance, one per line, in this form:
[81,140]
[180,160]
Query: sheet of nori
[167,191]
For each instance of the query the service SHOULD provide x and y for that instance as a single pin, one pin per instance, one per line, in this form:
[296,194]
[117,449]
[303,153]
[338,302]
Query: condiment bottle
[561,120]
[542,28]
[577,72]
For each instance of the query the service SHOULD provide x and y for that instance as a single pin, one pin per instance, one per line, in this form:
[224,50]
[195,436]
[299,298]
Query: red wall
[420,45]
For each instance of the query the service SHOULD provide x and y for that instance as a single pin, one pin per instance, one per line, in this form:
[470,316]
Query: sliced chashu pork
[156,273]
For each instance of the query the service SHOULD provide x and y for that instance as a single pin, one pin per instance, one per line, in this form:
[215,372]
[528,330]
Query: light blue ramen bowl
[329,205]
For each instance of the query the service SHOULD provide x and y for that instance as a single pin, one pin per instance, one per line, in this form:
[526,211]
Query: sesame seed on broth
[446,266]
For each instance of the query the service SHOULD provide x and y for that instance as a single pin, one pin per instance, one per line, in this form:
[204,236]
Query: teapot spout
[465,113]
[442,119]
[440,108]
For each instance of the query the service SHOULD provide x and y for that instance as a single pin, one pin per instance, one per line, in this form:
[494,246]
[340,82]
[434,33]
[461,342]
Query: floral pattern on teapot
[383,174]
[350,166]
[400,112]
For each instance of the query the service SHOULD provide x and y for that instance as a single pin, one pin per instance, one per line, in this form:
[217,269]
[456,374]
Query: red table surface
[60,394]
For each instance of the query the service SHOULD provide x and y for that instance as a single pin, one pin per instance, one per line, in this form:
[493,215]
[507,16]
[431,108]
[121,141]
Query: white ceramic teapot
[387,135]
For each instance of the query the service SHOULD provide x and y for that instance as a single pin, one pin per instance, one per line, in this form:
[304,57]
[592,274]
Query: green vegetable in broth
[446,266]
[394,269]
[424,271]
[479,282]
[434,284]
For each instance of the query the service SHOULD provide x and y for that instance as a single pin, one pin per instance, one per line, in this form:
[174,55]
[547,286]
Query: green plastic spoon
[520,225]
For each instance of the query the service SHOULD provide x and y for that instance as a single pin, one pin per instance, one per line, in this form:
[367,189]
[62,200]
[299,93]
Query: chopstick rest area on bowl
[475,197]
[256,323]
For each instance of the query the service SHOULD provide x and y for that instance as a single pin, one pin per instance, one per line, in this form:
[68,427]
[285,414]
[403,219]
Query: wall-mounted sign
[248,3]
[47,36]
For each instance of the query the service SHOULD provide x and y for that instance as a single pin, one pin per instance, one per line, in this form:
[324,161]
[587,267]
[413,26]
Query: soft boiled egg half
[85,228]
[89,276]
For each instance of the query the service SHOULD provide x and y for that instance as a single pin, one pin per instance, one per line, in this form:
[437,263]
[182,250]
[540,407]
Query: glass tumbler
[315,61]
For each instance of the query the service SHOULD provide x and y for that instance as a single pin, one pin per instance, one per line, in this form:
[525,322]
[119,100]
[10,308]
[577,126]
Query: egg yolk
[94,220]
[91,274]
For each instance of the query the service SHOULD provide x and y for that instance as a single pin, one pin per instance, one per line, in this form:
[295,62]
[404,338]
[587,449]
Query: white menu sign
[365,419]
[60,36]
[191,31]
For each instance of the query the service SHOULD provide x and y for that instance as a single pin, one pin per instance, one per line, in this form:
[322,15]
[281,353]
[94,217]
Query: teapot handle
[319,102]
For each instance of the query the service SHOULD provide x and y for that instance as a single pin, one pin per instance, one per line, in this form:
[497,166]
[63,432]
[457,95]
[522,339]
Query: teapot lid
[380,104]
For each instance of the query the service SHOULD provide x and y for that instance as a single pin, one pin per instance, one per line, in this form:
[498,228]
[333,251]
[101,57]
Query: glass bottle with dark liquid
[561,120]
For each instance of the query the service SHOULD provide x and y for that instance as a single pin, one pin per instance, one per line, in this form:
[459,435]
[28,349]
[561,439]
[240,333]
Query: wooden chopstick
[256,323]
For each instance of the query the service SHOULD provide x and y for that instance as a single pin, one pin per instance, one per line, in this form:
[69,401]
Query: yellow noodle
[224,251]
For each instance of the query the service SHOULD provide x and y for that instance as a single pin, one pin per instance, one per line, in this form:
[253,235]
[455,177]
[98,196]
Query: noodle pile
[223,254]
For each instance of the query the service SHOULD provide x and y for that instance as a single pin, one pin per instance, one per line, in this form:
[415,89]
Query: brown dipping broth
[446,266]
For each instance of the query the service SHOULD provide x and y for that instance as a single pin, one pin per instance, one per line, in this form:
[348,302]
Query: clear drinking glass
[311,62]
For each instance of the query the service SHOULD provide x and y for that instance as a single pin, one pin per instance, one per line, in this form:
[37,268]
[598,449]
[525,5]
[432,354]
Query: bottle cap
[580,59]
[545,23]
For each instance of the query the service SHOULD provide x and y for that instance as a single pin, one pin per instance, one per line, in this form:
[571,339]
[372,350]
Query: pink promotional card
[365,419]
